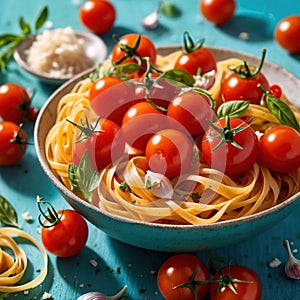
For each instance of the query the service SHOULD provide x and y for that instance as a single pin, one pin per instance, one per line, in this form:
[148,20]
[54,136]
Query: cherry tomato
[244,281]
[287,33]
[177,270]
[192,110]
[236,87]
[169,152]
[32,113]
[103,144]
[13,143]
[279,149]
[110,98]
[233,151]
[275,91]
[218,11]
[97,15]
[14,102]
[139,123]
[134,45]
[68,236]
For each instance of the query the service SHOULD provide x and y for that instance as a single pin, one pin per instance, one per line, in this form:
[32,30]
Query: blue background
[69,278]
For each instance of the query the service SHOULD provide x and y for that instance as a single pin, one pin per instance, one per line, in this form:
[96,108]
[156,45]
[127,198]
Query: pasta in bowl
[126,207]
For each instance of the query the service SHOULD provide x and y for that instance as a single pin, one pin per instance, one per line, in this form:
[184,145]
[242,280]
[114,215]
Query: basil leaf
[7,39]
[83,178]
[282,112]
[25,27]
[233,109]
[169,9]
[41,19]
[179,77]
[8,215]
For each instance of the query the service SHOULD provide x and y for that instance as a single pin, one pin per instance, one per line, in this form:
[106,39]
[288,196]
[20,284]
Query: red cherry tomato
[218,11]
[275,91]
[177,270]
[110,98]
[68,236]
[235,87]
[192,110]
[279,149]
[169,152]
[244,281]
[14,102]
[103,145]
[287,33]
[139,123]
[134,45]
[233,152]
[13,143]
[32,113]
[201,60]
[97,15]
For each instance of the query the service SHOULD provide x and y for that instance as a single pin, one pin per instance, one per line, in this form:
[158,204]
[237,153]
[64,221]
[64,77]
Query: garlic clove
[100,296]
[292,266]
[151,20]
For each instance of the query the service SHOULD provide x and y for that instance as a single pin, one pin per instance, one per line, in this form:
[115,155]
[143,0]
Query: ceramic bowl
[171,238]
[95,49]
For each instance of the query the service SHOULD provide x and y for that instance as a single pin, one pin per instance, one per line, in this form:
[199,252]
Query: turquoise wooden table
[117,263]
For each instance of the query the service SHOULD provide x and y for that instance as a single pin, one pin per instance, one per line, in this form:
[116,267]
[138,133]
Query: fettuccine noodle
[220,197]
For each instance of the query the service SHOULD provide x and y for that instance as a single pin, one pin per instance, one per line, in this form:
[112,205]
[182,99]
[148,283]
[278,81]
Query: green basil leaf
[6,39]
[128,68]
[233,109]
[282,112]
[83,178]
[169,9]
[179,78]
[25,27]
[41,18]
[8,215]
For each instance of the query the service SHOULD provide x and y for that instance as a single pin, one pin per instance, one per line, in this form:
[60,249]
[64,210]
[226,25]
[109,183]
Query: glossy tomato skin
[110,98]
[249,290]
[287,33]
[68,237]
[177,270]
[146,48]
[103,146]
[191,62]
[228,158]
[218,11]
[236,88]
[97,15]
[11,152]
[192,110]
[169,152]
[14,102]
[139,123]
[279,149]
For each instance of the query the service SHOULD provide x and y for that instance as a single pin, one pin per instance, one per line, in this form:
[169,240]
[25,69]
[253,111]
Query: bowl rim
[226,223]
[96,40]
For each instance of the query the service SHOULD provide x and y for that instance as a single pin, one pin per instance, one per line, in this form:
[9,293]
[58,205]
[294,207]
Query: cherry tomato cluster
[15,108]
[187,277]
[164,117]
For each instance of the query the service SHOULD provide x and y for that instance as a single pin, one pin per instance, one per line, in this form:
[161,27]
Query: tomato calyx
[189,46]
[19,140]
[280,110]
[86,129]
[247,71]
[193,284]
[226,134]
[51,215]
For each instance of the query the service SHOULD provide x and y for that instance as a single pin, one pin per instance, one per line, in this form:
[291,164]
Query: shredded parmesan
[58,52]
[274,263]
[13,268]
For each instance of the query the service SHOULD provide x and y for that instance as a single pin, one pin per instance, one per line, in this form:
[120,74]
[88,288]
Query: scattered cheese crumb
[47,295]
[274,263]
[152,272]
[244,36]
[81,285]
[94,263]
[26,216]
[26,292]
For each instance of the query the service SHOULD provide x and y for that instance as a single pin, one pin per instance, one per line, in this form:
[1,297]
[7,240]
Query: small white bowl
[95,49]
